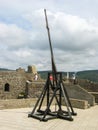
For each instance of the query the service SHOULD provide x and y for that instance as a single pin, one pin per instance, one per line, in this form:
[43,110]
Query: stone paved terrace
[17,119]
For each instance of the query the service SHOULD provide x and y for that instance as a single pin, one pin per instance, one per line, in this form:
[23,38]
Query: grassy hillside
[90,75]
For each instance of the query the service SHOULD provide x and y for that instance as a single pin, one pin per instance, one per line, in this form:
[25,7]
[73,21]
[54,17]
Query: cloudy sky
[74,34]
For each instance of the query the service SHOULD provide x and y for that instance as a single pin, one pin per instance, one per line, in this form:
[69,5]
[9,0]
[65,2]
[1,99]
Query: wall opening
[7,87]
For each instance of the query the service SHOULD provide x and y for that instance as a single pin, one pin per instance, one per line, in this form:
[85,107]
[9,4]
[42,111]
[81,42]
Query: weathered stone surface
[17,103]
[76,92]
[30,102]
[12,83]
[32,69]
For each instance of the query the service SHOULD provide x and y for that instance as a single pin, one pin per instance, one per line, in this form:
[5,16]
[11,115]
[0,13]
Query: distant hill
[43,74]
[91,75]
[88,74]
[4,69]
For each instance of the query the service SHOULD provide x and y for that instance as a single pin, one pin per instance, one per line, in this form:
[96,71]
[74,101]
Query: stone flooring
[17,119]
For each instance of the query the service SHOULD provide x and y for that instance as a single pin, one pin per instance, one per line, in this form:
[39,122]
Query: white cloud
[74,39]
[12,36]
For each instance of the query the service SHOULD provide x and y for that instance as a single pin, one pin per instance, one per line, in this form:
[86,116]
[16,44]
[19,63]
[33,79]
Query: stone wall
[77,103]
[88,85]
[13,83]
[30,102]
[81,104]
[95,94]
[17,103]
[35,89]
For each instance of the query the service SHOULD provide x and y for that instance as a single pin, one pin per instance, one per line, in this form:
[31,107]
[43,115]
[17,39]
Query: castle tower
[32,69]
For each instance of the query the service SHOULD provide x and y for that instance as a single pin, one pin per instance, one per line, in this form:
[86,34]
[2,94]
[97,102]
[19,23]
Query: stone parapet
[17,103]
[30,102]
[82,104]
